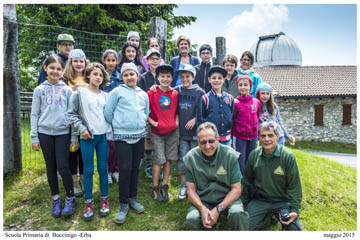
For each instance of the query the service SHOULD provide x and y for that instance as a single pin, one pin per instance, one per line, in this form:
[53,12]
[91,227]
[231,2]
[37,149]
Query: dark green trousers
[260,215]
[237,218]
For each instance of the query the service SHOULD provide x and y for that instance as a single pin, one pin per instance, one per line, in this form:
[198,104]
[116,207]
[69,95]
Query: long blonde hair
[70,74]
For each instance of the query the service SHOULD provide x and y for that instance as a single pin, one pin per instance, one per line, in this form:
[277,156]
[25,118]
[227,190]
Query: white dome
[276,49]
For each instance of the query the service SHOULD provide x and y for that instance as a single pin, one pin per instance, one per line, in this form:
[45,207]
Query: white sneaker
[109,178]
[115,175]
[182,192]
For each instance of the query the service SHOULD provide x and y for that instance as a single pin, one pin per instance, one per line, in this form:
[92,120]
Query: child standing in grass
[189,97]
[50,131]
[164,122]
[110,60]
[270,111]
[216,106]
[86,113]
[246,120]
[146,81]
[127,110]
[73,77]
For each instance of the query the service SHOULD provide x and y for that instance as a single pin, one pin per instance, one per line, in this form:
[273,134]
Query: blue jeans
[244,147]
[184,147]
[102,151]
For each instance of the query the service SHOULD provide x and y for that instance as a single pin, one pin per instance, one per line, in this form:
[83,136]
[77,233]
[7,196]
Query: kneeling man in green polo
[272,183]
[213,183]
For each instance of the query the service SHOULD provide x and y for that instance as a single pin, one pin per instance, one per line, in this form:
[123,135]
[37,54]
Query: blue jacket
[115,80]
[127,110]
[218,110]
[175,62]
[43,74]
[255,78]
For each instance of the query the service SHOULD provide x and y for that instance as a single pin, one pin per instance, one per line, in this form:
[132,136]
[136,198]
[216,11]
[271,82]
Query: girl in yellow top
[73,77]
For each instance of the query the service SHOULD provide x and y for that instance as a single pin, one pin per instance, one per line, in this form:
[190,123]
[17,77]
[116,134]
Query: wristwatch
[219,208]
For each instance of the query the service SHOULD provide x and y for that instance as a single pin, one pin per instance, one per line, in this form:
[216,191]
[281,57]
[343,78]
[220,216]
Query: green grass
[329,202]
[324,146]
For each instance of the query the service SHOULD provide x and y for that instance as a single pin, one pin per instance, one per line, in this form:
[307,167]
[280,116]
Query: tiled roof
[310,81]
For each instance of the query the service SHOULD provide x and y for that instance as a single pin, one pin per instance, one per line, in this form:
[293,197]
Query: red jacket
[246,118]
[163,109]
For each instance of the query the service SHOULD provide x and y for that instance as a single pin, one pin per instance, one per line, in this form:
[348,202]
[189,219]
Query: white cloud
[243,30]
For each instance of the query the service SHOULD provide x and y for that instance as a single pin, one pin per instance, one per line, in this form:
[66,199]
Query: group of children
[121,108]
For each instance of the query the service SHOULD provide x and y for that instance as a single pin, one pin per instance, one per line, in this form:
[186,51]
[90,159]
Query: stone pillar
[11,115]
[220,50]
[158,29]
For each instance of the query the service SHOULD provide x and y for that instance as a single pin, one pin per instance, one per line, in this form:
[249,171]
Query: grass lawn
[329,202]
[323,146]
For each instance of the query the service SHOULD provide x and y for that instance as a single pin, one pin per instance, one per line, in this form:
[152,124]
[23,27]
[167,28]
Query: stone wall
[298,119]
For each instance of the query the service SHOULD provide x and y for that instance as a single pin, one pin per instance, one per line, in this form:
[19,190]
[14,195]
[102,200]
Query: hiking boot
[104,207]
[164,191]
[109,179]
[121,215]
[182,192]
[70,204]
[155,193]
[77,189]
[56,209]
[148,172]
[134,204]
[115,175]
[89,210]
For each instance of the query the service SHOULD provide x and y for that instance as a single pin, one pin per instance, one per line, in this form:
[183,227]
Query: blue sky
[325,33]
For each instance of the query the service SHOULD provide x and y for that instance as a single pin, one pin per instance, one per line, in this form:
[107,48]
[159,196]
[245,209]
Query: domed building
[276,50]
[316,102]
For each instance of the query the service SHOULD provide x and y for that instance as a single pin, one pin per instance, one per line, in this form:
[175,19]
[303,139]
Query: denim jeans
[244,147]
[102,151]
[129,156]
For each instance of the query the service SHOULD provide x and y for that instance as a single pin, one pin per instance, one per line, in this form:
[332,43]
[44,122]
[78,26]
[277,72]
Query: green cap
[65,38]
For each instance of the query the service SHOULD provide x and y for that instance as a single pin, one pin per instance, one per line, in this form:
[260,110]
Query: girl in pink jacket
[245,121]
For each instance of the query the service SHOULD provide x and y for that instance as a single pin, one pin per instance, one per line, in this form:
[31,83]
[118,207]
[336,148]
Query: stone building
[316,102]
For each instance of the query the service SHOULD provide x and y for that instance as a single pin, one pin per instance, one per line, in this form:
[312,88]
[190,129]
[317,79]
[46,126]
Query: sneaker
[115,175]
[155,193]
[109,178]
[56,209]
[121,215]
[134,204]
[77,189]
[104,207]
[70,204]
[182,193]
[148,172]
[89,210]
[164,191]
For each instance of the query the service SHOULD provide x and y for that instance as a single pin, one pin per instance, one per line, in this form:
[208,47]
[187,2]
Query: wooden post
[158,29]
[220,50]
[11,115]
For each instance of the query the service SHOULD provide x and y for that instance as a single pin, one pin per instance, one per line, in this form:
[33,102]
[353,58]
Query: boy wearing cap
[189,98]
[202,69]
[145,82]
[164,121]
[217,106]
[64,44]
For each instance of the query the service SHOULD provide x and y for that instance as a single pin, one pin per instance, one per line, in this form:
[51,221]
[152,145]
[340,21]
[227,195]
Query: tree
[107,26]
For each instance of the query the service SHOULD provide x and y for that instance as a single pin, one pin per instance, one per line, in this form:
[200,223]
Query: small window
[319,115]
[346,114]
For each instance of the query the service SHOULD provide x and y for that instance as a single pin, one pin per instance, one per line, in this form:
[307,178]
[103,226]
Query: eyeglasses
[205,53]
[154,59]
[66,44]
[204,142]
[246,60]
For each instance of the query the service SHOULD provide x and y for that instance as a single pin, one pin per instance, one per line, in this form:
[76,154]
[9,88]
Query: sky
[325,33]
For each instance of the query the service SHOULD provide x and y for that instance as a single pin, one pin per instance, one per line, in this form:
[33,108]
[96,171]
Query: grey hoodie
[48,111]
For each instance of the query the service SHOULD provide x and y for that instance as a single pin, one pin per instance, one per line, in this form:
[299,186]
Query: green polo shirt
[276,177]
[213,178]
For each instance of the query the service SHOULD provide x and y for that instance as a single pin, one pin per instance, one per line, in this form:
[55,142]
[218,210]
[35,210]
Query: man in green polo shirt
[213,183]
[272,182]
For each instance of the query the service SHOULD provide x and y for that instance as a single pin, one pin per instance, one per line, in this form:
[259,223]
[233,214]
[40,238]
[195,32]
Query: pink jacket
[246,118]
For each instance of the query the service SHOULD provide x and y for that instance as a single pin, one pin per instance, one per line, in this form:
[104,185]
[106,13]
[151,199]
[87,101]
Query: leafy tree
[98,27]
